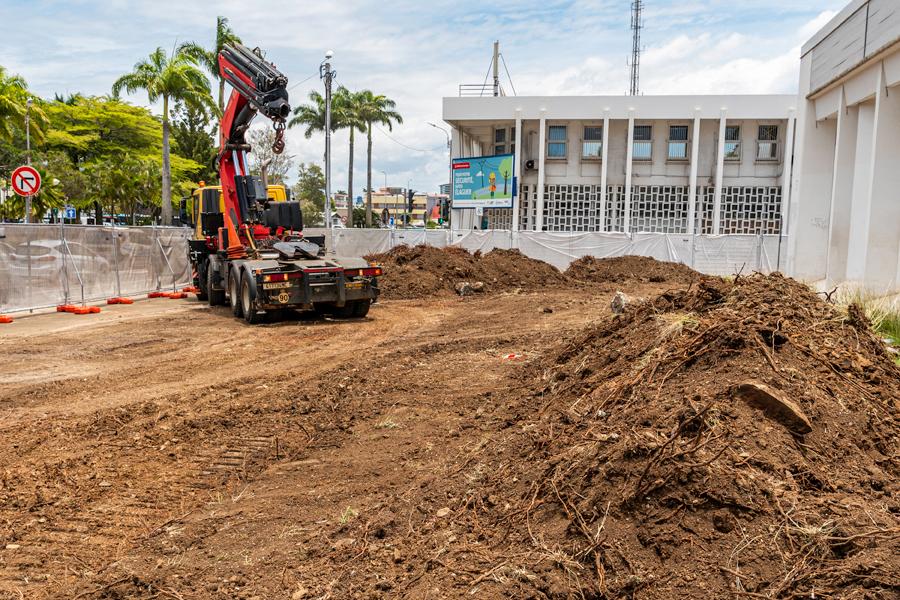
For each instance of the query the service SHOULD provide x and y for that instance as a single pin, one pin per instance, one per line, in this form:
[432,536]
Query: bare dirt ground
[518,443]
[170,450]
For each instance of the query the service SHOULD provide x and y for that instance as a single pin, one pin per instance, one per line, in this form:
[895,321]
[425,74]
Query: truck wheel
[202,283]
[213,296]
[361,308]
[355,309]
[234,293]
[251,314]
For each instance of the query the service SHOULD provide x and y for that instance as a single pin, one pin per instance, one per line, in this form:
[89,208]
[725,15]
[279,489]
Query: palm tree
[209,59]
[312,115]
[14,96]
[374,110]
[177,77]
[347,105]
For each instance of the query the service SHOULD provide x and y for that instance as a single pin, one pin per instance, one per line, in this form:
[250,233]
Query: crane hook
[278,144]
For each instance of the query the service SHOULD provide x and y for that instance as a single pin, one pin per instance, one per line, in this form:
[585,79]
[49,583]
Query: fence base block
[120,300]
[177,295]
[158,295]
[68,308]
[4,319]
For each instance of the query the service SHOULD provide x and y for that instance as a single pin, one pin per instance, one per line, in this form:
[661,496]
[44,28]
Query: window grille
[642,148]
[499,136]
[767,142]
[678,142]
[732,142]
[592,145]
[556,142]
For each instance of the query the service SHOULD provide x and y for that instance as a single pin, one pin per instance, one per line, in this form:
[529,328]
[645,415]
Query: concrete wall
[845,222]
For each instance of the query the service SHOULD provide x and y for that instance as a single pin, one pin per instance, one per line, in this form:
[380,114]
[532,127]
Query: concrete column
[841,192]
[629,159]
[882,265]
[807,220]
[517,170]
[692,183]
[861,202]
[604,168]
[542,154]
[787,161]
[720,174]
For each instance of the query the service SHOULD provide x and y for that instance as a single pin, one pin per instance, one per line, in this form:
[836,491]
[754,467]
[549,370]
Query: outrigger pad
[297,249]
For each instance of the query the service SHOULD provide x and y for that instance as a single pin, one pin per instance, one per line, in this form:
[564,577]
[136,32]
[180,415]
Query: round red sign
[26,181]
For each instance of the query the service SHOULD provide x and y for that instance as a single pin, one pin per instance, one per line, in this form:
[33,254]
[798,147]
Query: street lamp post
[28,154]
[327,75]
[450,166]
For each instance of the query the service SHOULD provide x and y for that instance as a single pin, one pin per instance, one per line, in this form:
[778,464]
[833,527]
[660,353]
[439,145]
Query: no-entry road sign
[26,181]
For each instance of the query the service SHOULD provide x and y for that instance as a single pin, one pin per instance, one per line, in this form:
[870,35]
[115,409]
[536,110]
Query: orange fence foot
[158,295]
[66,308]
[120,300]
[5,319]
[177,295]
[191,289]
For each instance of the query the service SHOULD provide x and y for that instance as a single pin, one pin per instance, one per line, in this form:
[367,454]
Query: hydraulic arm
[258,87]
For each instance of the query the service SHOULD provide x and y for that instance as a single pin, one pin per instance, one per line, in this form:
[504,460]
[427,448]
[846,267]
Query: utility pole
[327,74]
[637,6]
[496,67]
[28,156]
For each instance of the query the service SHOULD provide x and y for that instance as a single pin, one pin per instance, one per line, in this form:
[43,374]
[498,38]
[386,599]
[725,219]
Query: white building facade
[645,164]
[845,223]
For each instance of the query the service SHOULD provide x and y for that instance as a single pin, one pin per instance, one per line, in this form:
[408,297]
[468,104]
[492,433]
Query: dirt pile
[629,268]
[732,440]
[423,271]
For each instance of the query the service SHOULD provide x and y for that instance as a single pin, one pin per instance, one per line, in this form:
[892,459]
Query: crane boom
[257,87]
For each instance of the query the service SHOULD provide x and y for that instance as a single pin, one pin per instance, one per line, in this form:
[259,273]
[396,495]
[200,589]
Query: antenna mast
[636,25]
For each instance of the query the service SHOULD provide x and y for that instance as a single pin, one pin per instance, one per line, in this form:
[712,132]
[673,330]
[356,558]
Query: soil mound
[738,439]
[423,271]
[629,268]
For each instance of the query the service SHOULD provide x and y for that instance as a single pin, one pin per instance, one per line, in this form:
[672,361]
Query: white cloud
[417,52]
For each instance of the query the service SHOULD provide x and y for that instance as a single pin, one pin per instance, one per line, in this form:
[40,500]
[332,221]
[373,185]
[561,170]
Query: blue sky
[417,52]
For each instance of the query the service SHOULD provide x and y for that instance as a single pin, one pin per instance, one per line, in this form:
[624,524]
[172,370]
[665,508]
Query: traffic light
[410,195]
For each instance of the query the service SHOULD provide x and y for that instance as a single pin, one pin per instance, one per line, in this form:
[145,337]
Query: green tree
[348,110]
[192,131]
[209,59]
[14,97]
[95,133]
[310,191]
[374,110]
[175,77]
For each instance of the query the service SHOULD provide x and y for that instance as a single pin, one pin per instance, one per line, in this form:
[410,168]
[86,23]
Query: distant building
[395,201]
[445,189]
[845,223]
[630,164]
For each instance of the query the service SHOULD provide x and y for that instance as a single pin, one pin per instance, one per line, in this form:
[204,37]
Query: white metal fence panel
[46,265]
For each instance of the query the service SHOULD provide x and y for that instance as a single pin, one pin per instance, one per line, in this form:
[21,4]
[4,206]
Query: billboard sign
[483,181]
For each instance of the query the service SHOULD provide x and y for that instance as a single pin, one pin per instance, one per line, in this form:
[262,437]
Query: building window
[732,142]
[592,144]
[499,136]
[642,149]
[556,141]
[678,142]
[767,143]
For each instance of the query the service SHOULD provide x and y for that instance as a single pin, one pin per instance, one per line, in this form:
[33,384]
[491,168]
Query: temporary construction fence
[43,266]
[47,265]
[713,255]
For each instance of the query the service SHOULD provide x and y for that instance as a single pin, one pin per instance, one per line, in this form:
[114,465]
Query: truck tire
[202,283]
[234,293]
[361,308]
[355,309]
[213,296]
[248,303]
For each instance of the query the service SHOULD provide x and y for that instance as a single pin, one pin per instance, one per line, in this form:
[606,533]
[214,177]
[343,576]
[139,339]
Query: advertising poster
[483,182]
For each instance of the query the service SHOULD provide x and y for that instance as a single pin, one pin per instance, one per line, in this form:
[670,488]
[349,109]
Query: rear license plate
[281,285]
[354,285]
